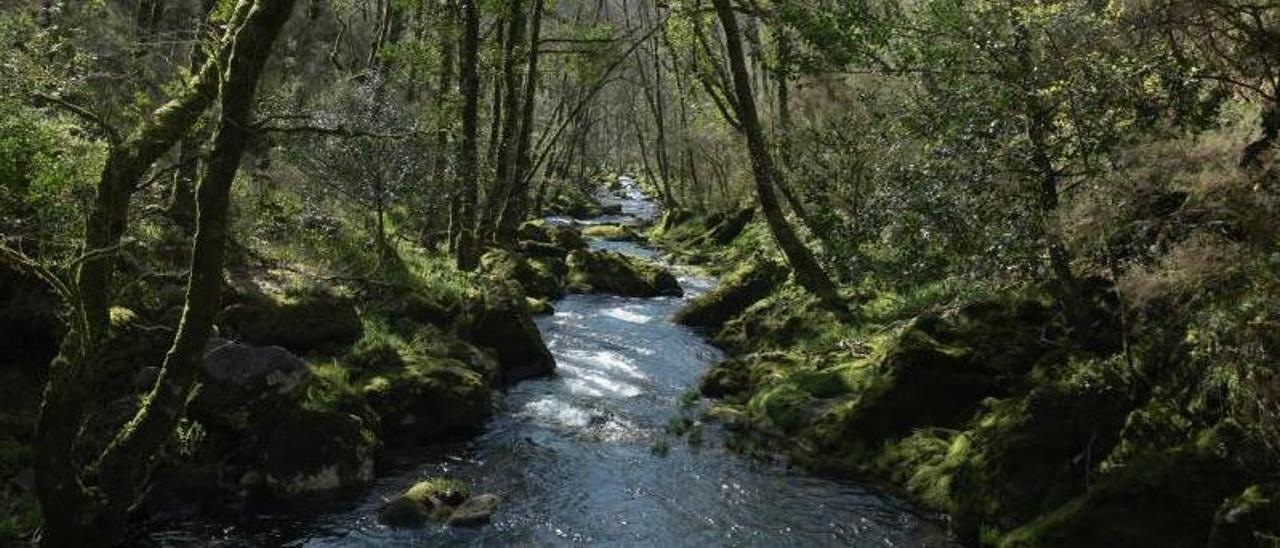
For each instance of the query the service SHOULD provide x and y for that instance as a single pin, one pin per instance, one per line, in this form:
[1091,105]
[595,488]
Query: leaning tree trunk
[470,88]
[807,270]
[121,474]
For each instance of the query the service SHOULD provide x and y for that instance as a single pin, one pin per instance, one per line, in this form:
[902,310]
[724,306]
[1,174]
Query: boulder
[305,322]
[735,293]
[476,511]
[540,277]
[567,238]
[539,307]
[1246,518]
[433,499]
[403,512]
[614,233]
[612,272]
[242,382]
[498,318]
[429,398]
[311,451]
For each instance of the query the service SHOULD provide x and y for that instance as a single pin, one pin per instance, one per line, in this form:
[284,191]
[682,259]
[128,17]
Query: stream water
[572,456]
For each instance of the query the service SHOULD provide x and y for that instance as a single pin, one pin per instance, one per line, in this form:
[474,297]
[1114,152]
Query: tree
[807,270]
[88,506]
[467,185]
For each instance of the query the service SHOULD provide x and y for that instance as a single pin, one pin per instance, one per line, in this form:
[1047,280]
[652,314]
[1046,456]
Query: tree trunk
[467,172]
[73,517]
[66,502]
[510,122]
[807,270]
[182,196]
[515,206]
[1270,134]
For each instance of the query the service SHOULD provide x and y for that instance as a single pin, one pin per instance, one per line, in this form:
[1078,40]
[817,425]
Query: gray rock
[240,380]
[475,512]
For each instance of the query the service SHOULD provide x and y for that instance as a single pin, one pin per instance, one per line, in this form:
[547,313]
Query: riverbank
[977,402]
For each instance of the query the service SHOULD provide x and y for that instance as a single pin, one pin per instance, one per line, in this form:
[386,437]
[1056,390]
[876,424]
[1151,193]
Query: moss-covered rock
[433,499]
[243,384]
[429,398]
[539,307]
[540,277]
[1168,498]
[302,322]
[311,451]
[613,233]
[498,318]
[735,293]
[1251,518]
[1027,455]
[612,272]
[476,511]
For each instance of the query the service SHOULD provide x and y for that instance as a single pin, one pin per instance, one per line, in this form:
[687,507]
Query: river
[574,456]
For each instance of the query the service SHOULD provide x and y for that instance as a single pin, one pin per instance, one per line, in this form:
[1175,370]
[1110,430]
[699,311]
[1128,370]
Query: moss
[787,319]
[309,451]
[498,318]
[733,295]
[540,278]
[1032,453]
[615,233]
[430,398]
[539,307]
[305,321]
[1168,498]
[1249,518]
[442,489]
[612,272]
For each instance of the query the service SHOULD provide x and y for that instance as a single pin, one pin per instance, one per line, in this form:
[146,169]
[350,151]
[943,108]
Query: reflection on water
[572,457]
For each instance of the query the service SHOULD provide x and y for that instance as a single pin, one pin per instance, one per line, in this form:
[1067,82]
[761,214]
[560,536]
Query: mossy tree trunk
[72,377]
[469,85]
[506,153]
[516,204]
[807,270]
[90,507]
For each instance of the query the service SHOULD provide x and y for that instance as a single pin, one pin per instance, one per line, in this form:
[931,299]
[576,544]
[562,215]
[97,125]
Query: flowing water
[573,457]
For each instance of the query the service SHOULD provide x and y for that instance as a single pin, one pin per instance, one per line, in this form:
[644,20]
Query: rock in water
[475,512]
[241,381]
[618,274]
[403,512]
[428,398]
[499,319]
